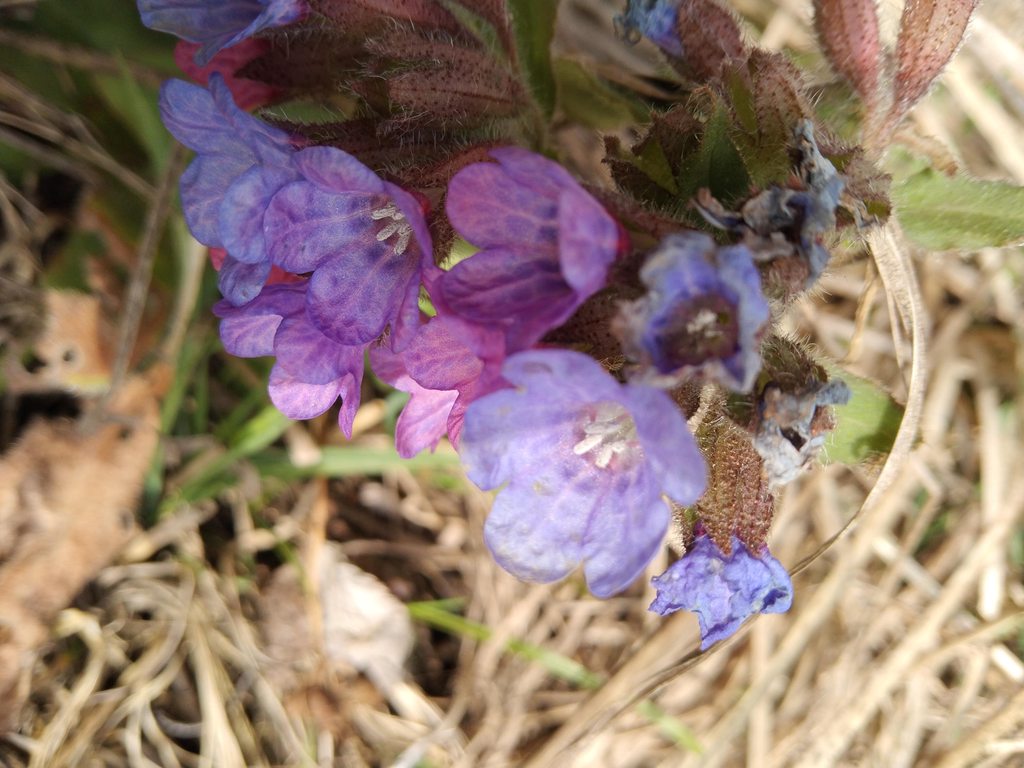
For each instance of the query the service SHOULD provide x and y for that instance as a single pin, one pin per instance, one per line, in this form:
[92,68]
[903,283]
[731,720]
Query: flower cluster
[327,259]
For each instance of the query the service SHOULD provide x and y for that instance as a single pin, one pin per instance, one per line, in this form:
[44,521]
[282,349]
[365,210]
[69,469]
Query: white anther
[609,432]
[398,226]
[702,323]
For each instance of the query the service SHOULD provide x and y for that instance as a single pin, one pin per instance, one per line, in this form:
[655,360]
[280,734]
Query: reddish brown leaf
[304,59]
[409,45]
[848,31]
[403,152]
[469,87]
[709,36]
[362,14]
[930,33]
[738,501]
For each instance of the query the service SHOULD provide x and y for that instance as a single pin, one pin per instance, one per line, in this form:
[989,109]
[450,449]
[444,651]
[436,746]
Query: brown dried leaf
[74,352]
[931,31]
[848,31]
[67,500]
[356,624]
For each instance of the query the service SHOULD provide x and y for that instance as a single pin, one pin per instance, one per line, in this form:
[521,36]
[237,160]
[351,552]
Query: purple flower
[316,210]
[654,19]
[240,163]
[584,462]
[217,24]
[546,245]
[723,590]
[311,371]
[424,419]
[364,240]
[703,310]
[447,366]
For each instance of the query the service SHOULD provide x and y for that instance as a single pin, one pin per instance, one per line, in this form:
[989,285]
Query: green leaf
[103,25]
[67,268]
[586,98]
[259,432]
[654,164]
[345,461]
[137,109]
[482,29]
[534,24]
[716,165]
[670,727]
[943,213]
[766,106]
[306,112]
[866,427]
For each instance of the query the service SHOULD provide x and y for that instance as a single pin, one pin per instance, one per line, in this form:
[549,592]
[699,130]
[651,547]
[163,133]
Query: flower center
[396,227]
[608,432]
[698,330]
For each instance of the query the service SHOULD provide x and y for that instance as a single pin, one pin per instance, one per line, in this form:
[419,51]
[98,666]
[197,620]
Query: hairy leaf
[534,24]
[738,500]
[848,31]
[362,14]
[715,165]
[766,96]
[587,99]
[866,426]
[709,36]
[930,33]
[944,213]
[492,12]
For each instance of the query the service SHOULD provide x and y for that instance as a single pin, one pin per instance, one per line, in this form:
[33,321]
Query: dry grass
[903,647]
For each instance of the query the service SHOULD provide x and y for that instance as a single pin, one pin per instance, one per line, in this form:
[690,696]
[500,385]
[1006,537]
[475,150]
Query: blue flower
[703,311]
[584,462]
[240,162]
[723,590]
[654,19]
[217,24]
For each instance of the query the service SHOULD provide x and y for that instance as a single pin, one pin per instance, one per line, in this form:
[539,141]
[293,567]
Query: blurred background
[189,579]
